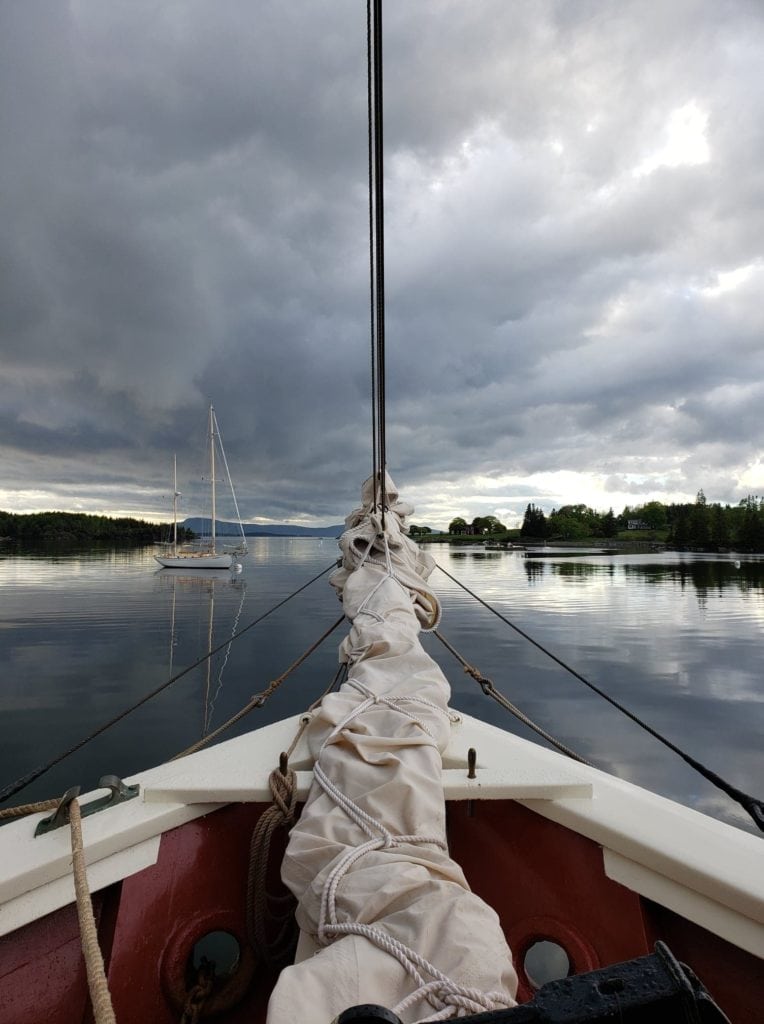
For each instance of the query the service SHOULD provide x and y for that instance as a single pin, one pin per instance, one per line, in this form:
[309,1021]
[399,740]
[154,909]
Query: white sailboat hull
[194,560]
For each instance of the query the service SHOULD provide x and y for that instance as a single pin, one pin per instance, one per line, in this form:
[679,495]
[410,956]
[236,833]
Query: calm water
[674,637]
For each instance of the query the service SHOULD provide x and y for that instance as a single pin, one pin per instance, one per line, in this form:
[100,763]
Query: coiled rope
[271,925]
[264,909]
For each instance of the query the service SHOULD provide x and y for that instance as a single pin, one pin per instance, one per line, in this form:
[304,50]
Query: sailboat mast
[175,505]
[212,468]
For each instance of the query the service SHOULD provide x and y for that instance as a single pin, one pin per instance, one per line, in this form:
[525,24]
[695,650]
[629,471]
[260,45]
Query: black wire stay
[753,806]
[36,773]
[376,248]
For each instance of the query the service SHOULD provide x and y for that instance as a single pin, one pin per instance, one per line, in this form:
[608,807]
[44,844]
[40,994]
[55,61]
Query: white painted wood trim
[712,872]
[728,924]
[60,892]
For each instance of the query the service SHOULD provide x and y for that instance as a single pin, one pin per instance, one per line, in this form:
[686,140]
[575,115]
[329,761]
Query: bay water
[675,637]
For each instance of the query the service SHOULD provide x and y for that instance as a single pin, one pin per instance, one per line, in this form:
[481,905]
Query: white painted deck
[710,872]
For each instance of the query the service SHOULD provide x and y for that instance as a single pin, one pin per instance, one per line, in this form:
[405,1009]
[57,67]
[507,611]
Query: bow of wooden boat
[566,854]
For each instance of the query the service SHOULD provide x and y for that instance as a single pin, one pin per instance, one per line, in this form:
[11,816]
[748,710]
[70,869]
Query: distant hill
[223,529]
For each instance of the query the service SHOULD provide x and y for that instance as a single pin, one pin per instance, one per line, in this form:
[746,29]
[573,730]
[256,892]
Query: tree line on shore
[40,529]
[699,525]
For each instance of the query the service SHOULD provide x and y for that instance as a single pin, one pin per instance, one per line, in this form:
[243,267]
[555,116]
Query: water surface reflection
[675,638]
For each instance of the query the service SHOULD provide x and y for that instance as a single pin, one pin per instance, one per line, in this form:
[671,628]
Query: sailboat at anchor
[203,553]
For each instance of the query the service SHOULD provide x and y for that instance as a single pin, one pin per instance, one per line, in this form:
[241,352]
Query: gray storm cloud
[574,224]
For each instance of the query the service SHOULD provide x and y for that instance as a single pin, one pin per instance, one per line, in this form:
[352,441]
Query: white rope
[392,703]
[446,996]
[364,821]
[386,563]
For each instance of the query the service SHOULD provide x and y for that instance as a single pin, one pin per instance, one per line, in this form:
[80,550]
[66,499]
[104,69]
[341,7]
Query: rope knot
[485,684]
[198,995]
[284,792]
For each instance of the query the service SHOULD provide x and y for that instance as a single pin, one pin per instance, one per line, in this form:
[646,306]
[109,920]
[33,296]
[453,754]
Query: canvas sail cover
[388,910]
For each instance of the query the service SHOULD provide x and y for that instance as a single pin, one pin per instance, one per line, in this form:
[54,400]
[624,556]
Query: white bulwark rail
[710,872]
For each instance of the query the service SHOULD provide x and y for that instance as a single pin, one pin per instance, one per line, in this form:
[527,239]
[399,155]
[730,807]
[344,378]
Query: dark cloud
[574,219]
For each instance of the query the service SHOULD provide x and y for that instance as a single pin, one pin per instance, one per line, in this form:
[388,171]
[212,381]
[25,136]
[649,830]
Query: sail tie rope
[443,993]
[752,805]
[386,563]
[394,703]
[447,997]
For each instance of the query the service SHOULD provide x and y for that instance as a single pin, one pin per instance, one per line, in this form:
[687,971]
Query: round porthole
[188,958]
[219,948]
[545,961]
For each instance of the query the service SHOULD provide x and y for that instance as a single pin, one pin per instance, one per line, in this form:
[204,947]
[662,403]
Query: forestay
[388,911]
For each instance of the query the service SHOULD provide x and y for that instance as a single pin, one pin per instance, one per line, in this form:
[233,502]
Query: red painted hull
[544,881]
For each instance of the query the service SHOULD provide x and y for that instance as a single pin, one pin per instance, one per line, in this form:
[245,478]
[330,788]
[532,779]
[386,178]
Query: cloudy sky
[574,253]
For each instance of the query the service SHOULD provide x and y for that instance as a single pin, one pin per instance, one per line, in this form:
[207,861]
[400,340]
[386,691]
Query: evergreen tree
[680,526]
[720,531]
[700,523]
[609,524]
[751,534]
[534,523]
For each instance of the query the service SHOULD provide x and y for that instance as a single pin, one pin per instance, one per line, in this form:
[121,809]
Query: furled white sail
[390,913]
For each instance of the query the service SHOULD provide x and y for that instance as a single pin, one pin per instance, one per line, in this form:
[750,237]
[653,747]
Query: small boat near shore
[569,553]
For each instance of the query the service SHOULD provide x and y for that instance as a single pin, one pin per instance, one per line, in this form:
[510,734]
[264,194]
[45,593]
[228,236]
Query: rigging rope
[228,475]
[36,773]
[372,317]
[490,690]
[752,805]
[259,699]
